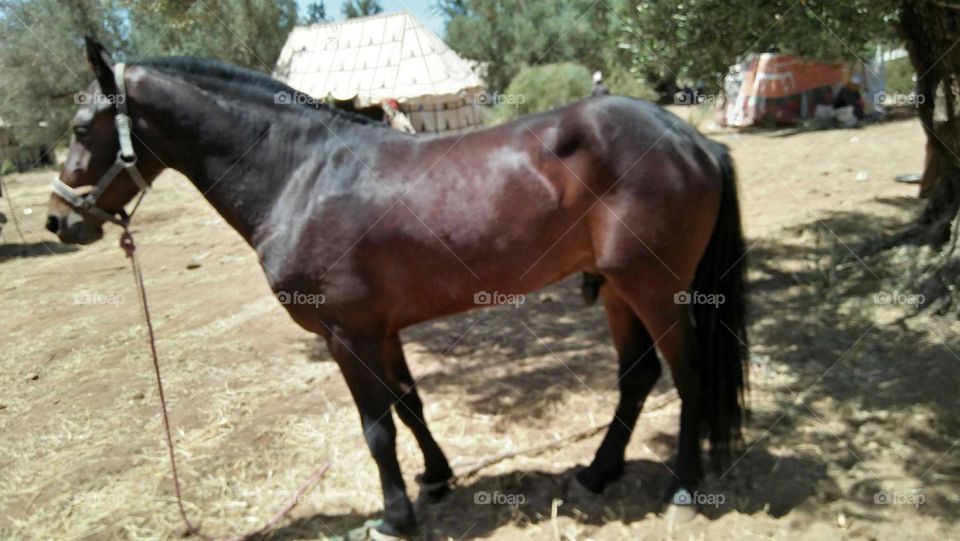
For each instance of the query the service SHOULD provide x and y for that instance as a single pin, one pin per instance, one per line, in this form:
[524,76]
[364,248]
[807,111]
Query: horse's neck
[229,159]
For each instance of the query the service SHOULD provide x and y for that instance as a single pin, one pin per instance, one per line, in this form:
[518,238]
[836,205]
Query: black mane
[250,83]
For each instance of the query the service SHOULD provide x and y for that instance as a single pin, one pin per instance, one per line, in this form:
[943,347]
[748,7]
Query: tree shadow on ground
[866,377]
[481,505]
[494,357]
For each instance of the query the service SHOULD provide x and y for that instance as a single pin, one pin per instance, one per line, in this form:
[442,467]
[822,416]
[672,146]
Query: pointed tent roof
[383,56]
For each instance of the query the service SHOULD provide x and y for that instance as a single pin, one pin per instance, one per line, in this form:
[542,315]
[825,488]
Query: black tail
[721,328]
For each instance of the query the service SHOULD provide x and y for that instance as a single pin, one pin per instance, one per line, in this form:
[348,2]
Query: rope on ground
[129,248]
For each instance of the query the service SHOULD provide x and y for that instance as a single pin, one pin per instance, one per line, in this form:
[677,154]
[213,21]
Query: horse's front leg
[437,474]
[360,356]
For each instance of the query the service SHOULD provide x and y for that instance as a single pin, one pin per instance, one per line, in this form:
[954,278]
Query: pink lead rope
[129,248]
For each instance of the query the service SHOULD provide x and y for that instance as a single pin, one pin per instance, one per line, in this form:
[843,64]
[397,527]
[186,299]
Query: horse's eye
[81,131]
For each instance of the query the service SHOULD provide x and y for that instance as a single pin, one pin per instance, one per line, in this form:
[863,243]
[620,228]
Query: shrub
[7,167]
[539,88]
[624,83]
[900,76]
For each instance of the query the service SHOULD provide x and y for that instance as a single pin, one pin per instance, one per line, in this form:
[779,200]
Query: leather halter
[126,160]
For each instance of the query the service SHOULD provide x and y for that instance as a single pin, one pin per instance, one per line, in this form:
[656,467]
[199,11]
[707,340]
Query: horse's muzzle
[72,228]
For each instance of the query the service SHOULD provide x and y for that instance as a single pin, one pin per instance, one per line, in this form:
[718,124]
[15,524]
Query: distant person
[849,96]
[599,89]
[700,93]
[395,117]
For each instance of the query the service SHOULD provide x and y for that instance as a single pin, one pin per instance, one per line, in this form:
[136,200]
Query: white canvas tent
[387,56]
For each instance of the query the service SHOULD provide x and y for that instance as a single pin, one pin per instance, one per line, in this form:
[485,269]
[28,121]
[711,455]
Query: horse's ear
[101,64]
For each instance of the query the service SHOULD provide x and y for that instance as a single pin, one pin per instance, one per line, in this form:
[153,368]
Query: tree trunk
[931,29]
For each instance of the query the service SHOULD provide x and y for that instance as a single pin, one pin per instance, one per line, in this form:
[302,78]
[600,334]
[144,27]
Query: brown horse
[388,230]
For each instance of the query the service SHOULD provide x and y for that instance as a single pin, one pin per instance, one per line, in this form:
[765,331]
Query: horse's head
[102,172]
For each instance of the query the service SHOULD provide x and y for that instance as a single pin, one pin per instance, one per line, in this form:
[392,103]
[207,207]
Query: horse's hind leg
[360,357]
[671,328]
[639,371]
[679,347]
[437,473]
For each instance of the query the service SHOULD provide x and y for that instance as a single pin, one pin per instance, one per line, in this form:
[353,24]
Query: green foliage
[507,35]
[7,167]
[900,76]
[658,41]
[624,83]
[43,62]
[698,40]
[361,8]
[316,12]
[242,32]
[539,88]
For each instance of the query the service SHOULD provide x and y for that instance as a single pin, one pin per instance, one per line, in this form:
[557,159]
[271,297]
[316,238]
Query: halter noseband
[126,160]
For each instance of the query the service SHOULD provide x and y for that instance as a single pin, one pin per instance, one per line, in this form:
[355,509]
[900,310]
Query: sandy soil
[855,407]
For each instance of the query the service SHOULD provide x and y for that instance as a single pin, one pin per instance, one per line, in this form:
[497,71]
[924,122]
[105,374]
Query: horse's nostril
[53,224]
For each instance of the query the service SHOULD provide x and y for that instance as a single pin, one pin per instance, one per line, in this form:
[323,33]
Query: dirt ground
[854,421]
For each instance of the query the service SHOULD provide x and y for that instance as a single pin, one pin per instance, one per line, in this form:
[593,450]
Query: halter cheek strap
[126,161]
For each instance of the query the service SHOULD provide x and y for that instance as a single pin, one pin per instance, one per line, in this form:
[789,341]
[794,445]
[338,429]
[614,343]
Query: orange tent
[781,89]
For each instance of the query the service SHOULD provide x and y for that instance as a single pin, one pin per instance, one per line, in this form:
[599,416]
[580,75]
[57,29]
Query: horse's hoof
[577,493]
[596,481]
[588,481]
[375,530]
[436,491]
[377,535]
